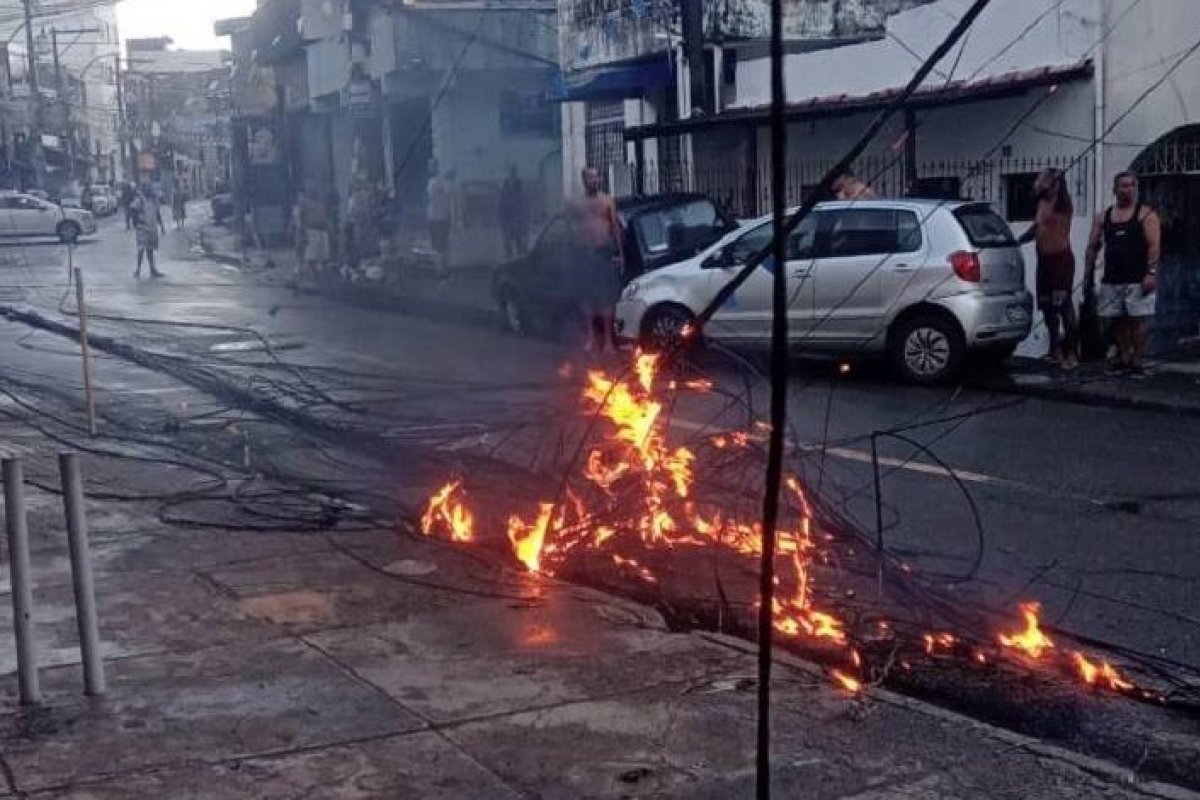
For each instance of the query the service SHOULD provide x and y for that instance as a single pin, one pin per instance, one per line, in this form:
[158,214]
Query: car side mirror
[718,260]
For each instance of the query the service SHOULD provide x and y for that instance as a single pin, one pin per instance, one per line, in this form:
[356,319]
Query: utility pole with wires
[61,87]
[774,253]
[36,158]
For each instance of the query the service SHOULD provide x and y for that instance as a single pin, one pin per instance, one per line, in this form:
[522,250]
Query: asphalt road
[1094,512]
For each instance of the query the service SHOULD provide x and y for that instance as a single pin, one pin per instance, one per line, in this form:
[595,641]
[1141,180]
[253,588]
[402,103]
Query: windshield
[686,226]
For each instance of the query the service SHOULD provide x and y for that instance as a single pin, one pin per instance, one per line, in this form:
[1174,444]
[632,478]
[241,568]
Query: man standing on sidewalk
[1051,230]
[1130,235]
[440,215]
[601,259]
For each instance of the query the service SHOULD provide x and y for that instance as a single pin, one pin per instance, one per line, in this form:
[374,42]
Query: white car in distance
[26,215]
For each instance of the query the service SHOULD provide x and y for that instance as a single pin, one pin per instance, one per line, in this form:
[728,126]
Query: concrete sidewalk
[1168,387]
[252,656]
[251,665]
[413,288]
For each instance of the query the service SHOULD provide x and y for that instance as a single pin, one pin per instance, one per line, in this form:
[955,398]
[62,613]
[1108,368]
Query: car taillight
[965,265]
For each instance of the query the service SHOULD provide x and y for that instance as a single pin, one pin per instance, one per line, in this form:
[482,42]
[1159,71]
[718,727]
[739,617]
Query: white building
[88,72]
[1092,86]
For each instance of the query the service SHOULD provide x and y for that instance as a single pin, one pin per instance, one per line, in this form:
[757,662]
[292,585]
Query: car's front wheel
[68,232]
[927,349]
[664,326]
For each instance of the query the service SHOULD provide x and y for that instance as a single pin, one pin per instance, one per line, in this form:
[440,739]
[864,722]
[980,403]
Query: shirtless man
[1051,230]
[598,275]
[848,187]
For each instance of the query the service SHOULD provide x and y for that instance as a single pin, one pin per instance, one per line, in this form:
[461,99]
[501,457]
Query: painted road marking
[864,457]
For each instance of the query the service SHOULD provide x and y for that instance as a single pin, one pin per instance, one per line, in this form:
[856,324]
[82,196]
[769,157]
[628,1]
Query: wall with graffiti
[594,32]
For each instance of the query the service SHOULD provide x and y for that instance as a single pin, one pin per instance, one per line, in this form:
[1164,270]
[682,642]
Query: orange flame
[850,684]
[1031,640]
[528,539]
[1102,674]
[446,510]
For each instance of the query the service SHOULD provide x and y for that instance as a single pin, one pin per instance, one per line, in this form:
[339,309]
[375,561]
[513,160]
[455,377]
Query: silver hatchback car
[922,281]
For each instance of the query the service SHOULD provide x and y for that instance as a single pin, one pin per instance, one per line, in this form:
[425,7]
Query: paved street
[1092,511]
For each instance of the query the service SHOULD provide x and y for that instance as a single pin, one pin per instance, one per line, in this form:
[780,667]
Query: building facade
[368,95]
[76,47]
[177,108]
[1090,86]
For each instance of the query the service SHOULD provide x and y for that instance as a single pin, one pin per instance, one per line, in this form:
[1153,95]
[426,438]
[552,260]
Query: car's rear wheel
[927,349]
[663,327]
[68,232]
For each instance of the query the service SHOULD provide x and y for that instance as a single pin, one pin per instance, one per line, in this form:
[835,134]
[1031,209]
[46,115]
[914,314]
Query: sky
[188,22]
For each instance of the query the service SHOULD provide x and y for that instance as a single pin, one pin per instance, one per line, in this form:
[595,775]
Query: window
[800,244]
[984,226]
[1020,200]
[741,250]
[873,231]
[20,204]
[694,224]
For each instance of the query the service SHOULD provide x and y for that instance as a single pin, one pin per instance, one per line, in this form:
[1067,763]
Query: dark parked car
[222,208]
[534,292]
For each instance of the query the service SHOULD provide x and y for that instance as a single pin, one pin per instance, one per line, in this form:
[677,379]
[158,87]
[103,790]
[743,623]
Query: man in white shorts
[1130,235]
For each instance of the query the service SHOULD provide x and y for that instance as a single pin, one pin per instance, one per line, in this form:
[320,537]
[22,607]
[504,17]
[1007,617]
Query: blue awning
[613,82]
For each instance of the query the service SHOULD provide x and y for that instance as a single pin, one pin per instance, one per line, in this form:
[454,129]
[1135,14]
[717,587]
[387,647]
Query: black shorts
[598,279]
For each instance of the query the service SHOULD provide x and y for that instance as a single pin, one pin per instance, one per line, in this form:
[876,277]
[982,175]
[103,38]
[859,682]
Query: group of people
[1129,235]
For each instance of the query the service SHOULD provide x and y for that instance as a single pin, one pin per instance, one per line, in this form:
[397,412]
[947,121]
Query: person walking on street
[314,222]
[1130,234]
[179,207]
[147,222]
[128,195]
[439,215]
[1051,230]
[514,214]
[602,258]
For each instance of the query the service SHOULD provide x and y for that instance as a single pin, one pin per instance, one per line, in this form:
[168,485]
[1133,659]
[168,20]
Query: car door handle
[801,273]
[904,268]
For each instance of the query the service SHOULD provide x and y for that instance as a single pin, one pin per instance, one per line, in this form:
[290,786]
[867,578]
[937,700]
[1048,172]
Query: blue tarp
[612,82]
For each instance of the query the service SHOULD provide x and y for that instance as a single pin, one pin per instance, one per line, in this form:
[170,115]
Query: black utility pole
[692,19]
[121,121]
[61,87]
[35,94]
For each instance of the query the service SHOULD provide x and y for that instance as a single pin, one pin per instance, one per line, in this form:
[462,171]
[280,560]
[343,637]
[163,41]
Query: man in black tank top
[1130,235]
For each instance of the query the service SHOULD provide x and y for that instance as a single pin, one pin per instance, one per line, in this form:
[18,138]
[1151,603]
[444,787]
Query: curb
[1080,395]
[422,306]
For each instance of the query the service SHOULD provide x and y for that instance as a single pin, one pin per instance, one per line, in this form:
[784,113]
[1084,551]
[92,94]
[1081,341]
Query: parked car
[100,199]
[222,207]
[26,215]
[923,282]
[534,292]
